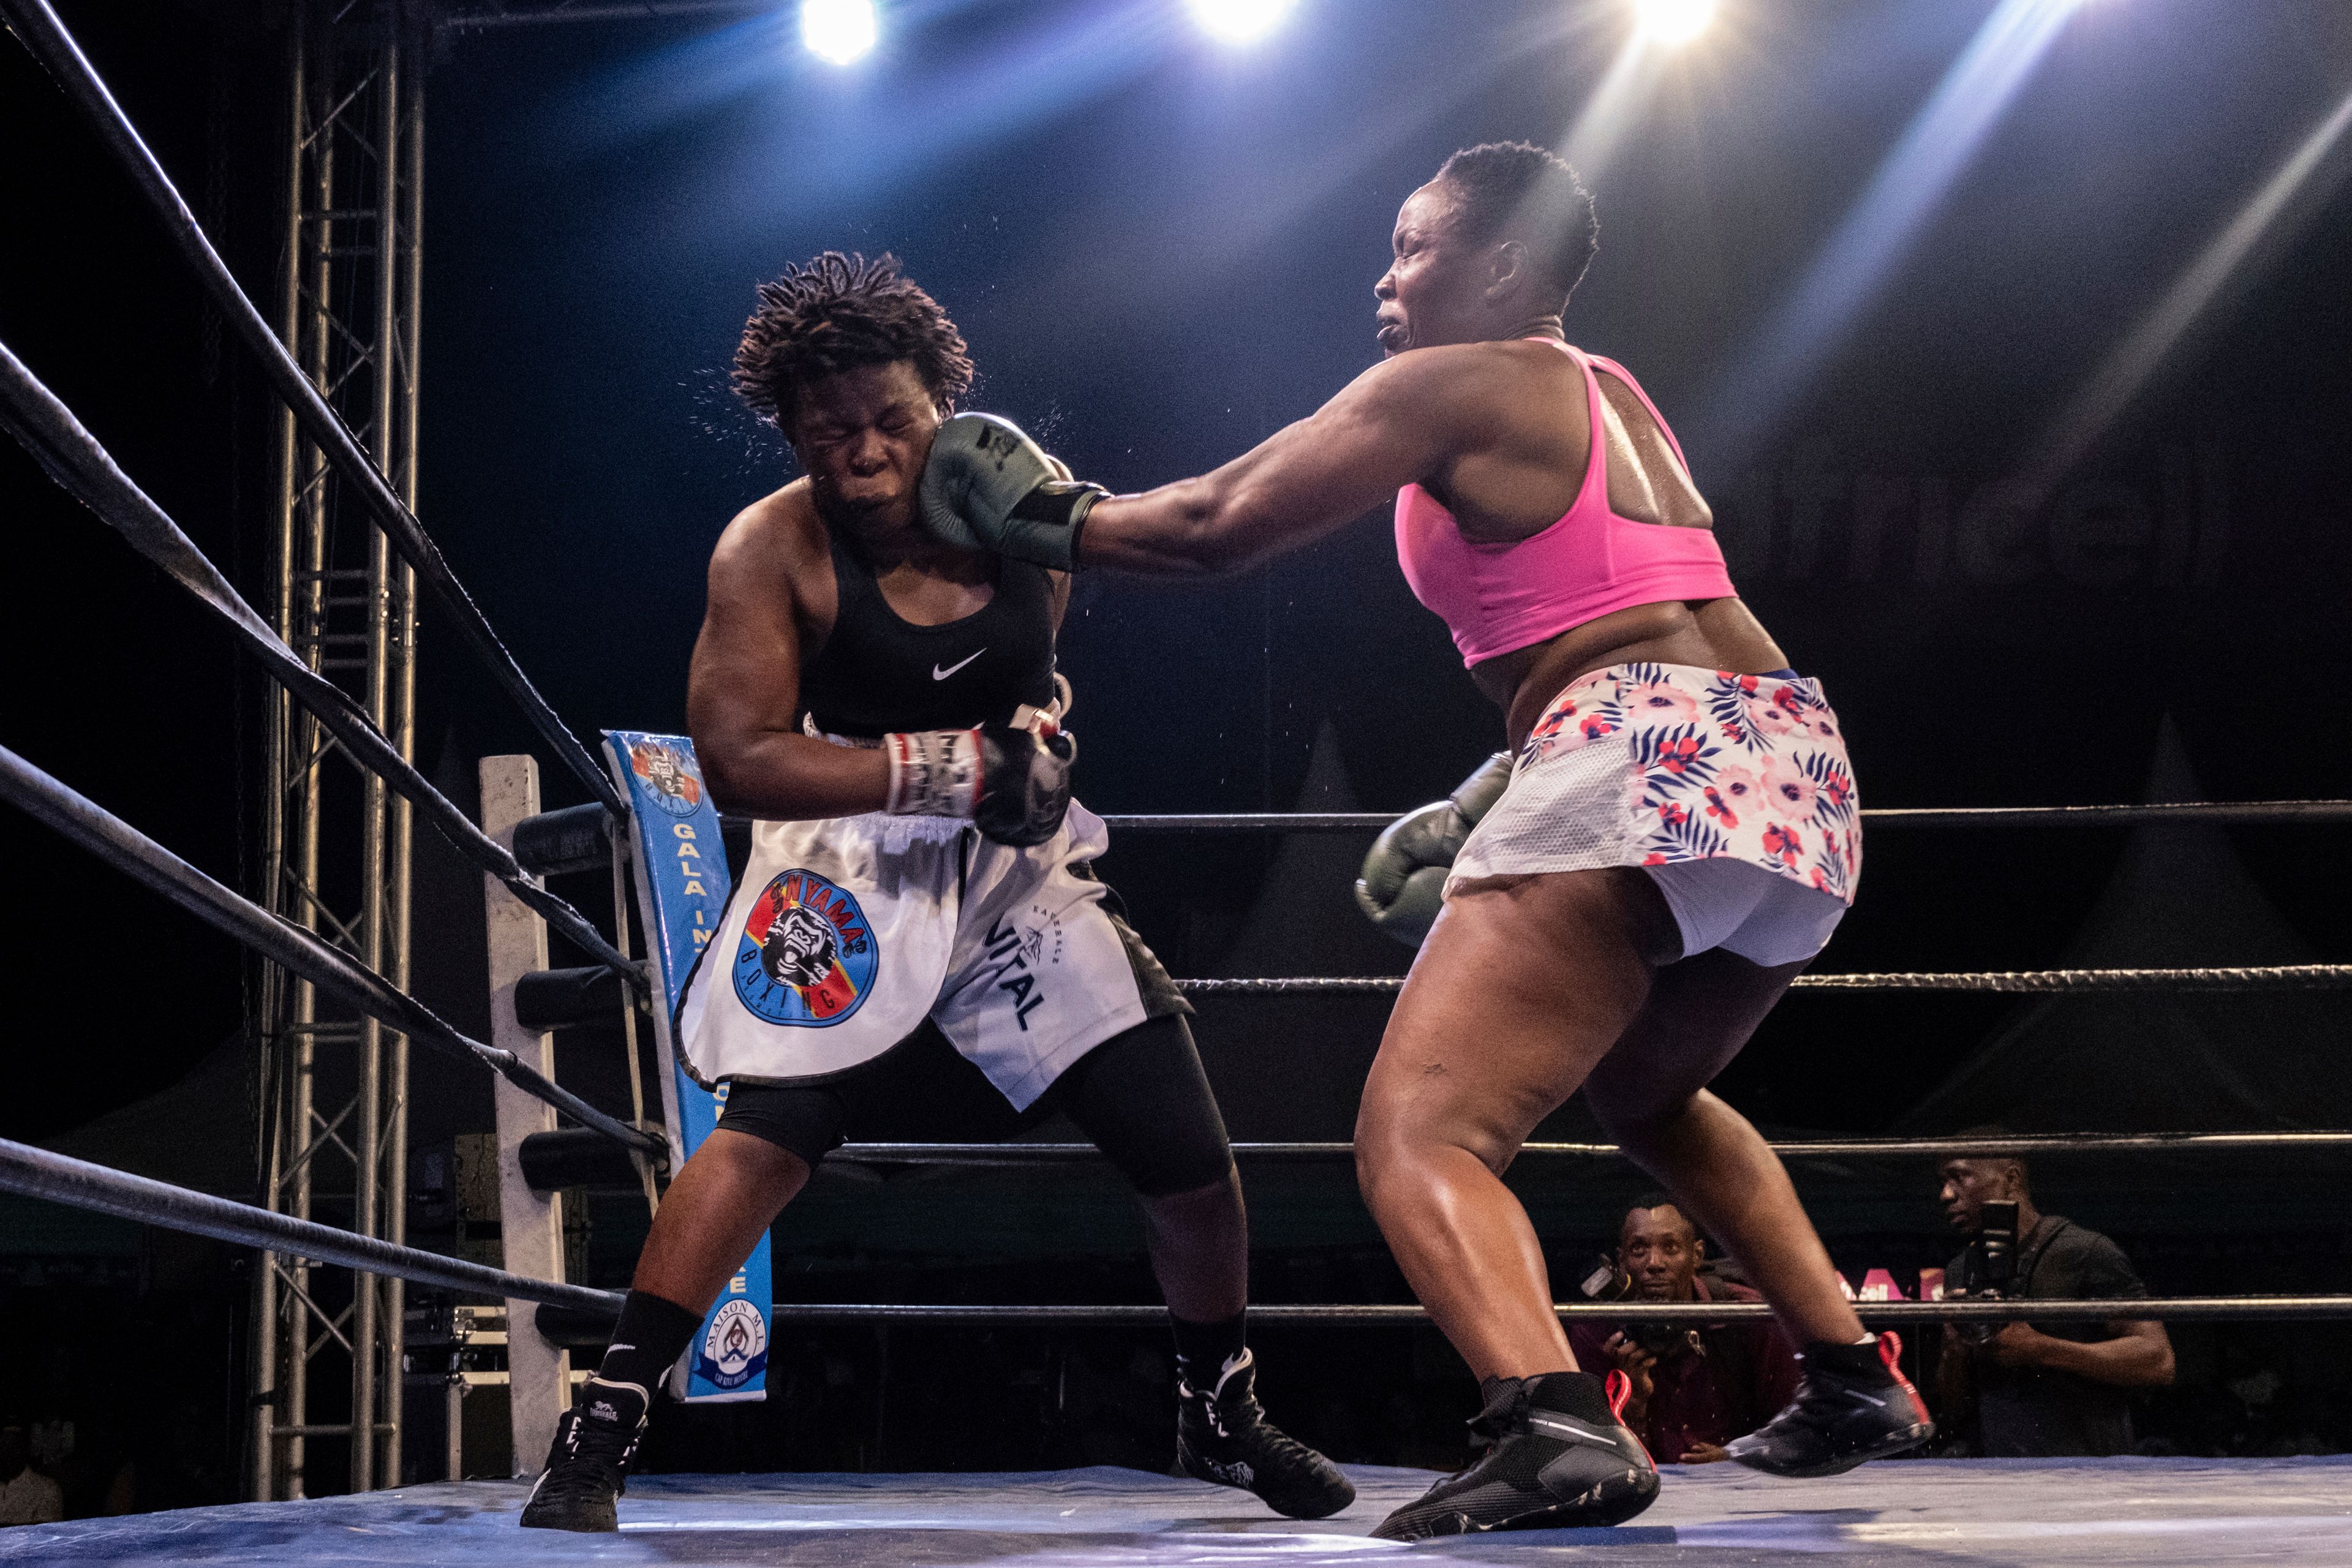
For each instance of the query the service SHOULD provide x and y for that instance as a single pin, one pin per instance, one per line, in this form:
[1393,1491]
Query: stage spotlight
[1673,21]
[1240,21]
[837,31]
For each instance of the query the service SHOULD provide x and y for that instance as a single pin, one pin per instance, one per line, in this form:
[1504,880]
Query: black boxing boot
[1853,1405]
[1222,1435]
[1557,1457]
[588,1467]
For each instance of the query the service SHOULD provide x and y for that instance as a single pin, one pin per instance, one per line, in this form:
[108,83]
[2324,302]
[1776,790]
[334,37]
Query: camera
[1607,1282]
[1991,1265]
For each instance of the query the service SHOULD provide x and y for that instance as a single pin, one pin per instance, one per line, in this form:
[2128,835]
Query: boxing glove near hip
[1403,885]
[1014,783]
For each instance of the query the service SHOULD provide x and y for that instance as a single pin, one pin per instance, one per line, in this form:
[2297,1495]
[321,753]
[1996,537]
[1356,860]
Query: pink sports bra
[1498,598]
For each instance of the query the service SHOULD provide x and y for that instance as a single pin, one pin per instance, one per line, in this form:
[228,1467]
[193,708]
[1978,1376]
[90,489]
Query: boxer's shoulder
[1473,386]
[782,523]
[777,538]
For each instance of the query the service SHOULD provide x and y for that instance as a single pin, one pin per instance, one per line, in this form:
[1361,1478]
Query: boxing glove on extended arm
[987,485]
[1014,783]
[1403,881]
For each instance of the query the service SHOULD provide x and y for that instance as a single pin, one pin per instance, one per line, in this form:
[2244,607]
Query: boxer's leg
[1143,1099]
[1523,984]
[715,1212]
[1650,1093]
[755,1162]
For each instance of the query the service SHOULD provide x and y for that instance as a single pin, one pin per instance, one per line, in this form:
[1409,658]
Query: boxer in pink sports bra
[1497,596]
[1669,837]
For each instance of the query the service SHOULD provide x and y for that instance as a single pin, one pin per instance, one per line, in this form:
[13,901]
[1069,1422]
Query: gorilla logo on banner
[675,788]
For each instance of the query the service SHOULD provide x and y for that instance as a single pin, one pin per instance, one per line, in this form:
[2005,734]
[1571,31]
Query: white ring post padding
[530,1223]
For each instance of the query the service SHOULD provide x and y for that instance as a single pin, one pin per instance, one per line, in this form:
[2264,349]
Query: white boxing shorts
[1733,791]
[845,933]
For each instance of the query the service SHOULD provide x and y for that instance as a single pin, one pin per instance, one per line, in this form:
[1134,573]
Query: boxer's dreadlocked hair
[1517,190]
[838,313]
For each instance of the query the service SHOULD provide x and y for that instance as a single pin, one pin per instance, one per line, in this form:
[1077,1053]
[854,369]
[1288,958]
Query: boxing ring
[2162,1513]
[2143,1511]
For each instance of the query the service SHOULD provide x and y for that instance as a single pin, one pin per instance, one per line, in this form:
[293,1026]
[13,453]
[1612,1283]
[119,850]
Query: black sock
[1204,1349]
[650,1336]
[1577,1393]
[1860,1361]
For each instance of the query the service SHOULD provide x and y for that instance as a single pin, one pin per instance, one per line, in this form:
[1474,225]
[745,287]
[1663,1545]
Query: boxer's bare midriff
[1714,634]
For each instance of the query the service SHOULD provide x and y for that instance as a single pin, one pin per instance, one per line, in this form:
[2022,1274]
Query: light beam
[2119,379]
[1612,109]
[1878,231]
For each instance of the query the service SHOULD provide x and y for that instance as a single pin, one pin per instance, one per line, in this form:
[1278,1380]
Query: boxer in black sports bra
[872,698]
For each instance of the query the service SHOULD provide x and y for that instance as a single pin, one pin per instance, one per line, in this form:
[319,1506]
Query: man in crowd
[2032,1390]
[1696,1388]
[26,1496]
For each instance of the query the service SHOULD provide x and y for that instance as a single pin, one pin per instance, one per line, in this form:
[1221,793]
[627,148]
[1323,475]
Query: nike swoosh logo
[1574,1431]
[939,674]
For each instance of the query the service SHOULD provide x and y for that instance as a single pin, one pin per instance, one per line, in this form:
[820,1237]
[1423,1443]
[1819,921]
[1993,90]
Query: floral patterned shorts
[1652,764]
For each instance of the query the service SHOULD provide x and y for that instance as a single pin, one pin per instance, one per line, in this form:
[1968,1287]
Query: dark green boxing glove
[988,487]
[1403,882]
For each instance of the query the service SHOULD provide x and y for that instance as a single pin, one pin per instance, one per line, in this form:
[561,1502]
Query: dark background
[1161,250]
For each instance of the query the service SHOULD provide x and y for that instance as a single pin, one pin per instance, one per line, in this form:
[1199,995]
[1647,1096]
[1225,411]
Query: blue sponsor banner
[682,889]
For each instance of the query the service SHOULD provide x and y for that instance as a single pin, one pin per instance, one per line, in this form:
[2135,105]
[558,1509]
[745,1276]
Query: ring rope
[1020,1153]
[2239,813]
[2181,1309]
[42,33]
[39,1173]
[2277,977]
[46,428]
[281,942]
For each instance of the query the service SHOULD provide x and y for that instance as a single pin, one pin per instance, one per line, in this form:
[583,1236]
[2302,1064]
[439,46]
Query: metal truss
[335,842]
[483,16]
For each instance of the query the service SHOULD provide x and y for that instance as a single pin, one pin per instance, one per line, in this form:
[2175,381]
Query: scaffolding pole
[335,842]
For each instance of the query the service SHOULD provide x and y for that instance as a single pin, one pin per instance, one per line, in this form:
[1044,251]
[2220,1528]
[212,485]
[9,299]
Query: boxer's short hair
[1516,190]
[842,313]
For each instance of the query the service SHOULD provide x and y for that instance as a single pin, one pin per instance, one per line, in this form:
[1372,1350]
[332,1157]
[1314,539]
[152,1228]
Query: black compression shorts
[1141,1097]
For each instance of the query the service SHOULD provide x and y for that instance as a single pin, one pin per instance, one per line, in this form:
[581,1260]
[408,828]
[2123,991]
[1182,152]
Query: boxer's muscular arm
[1403,421]
[742,695]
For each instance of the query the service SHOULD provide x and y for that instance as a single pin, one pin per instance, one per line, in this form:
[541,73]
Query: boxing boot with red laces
[1557,1457]
[1853,1405]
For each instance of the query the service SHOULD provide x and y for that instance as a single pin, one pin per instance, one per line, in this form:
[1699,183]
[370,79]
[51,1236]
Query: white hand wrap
[934,773]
